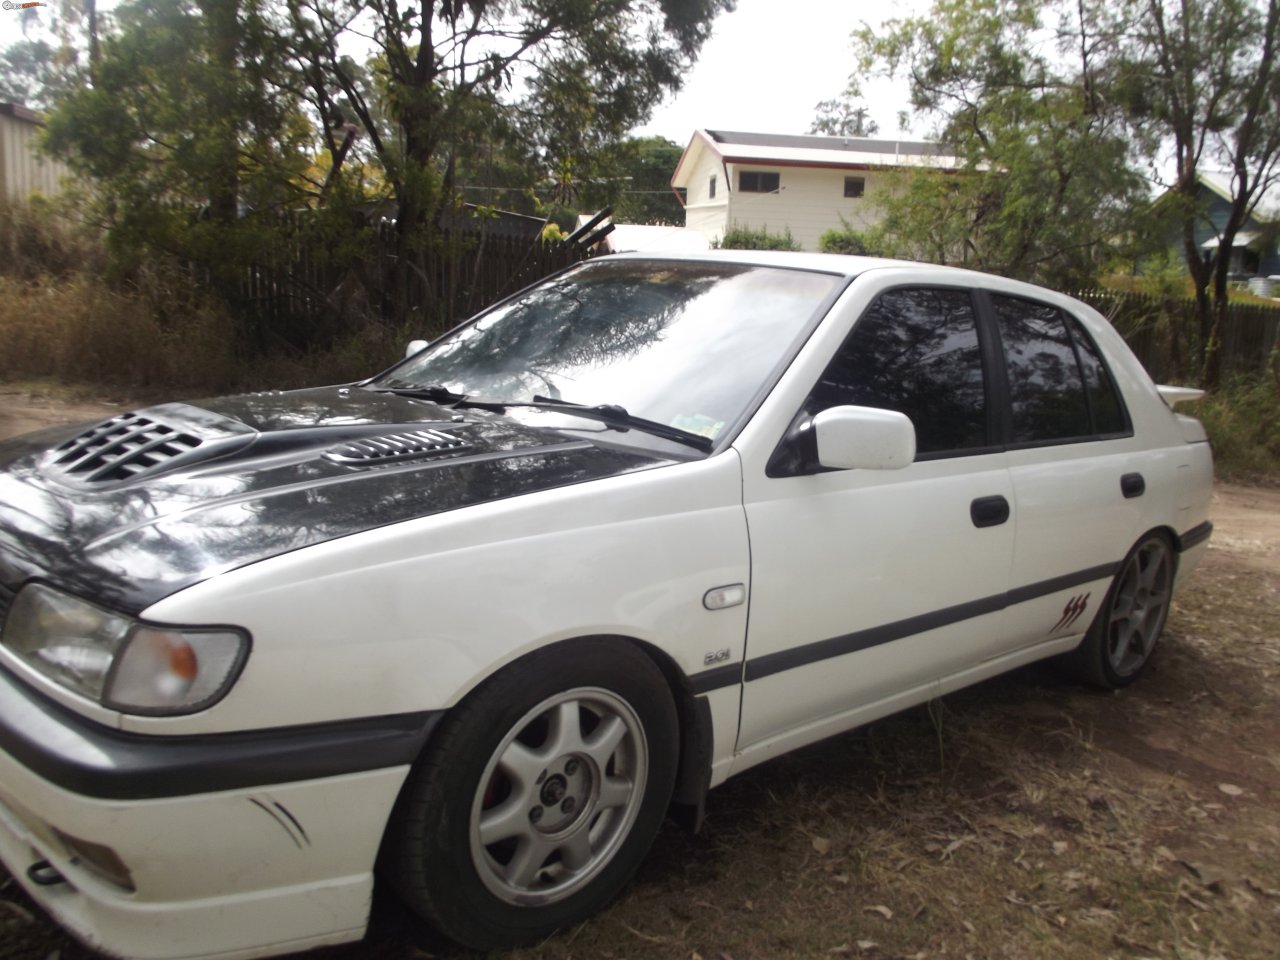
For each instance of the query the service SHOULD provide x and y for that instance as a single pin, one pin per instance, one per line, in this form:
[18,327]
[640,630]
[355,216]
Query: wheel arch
[693,713]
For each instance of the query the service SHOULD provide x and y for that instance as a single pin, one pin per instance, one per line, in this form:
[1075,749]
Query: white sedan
[476,625]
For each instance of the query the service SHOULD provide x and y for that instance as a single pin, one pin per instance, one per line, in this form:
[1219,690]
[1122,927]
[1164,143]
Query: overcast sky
[769,62]
[766,66]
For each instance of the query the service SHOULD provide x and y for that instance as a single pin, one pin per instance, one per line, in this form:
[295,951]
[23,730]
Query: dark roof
[20,112]
[923,148]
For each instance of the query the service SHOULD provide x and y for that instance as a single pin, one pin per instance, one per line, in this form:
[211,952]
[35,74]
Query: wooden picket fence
[1164,333]
[304,293]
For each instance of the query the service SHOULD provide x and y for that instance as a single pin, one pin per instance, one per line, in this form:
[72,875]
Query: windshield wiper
[443,395]
[617,416]
[610,413]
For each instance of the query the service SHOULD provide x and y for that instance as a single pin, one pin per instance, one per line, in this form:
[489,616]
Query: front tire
[539,795]
[1123,636]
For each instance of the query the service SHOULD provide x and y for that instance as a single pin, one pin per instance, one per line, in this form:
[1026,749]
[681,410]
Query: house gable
[1255,251]
[802,184]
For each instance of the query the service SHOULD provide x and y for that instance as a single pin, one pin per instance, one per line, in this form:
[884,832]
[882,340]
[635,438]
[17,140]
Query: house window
[711,189]
[854,186]
[756,181]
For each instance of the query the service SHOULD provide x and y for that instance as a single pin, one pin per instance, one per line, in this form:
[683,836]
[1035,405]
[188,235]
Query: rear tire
[1123,635]
[538,797]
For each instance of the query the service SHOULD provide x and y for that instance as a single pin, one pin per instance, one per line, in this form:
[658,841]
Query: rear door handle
[1132,485]
[989,511]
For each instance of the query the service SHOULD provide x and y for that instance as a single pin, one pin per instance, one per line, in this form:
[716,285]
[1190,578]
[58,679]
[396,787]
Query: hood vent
[127,447]
[396,446]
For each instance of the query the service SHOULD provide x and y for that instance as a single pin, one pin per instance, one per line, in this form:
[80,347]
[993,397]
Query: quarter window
[757,181]
[915,351]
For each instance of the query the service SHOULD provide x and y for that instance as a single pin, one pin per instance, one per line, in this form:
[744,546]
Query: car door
[867,586]
[1078,474]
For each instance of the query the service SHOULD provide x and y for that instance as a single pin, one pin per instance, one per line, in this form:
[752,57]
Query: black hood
[135,508]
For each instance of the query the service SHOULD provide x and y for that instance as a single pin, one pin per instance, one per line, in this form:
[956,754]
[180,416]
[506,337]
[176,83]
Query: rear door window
[1059,388]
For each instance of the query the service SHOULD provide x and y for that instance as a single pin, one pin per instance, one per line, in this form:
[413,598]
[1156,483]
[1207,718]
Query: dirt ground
[1027,817]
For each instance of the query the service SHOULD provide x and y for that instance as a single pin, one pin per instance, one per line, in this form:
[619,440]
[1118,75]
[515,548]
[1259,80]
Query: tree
[555,81]
[1046,186]
[634,177]
[1201,78]
[50,59]
[195,145]
[845,116]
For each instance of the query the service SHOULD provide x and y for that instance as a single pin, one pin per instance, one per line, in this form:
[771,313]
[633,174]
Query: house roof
[783,150]
[19,112]
[1220,182]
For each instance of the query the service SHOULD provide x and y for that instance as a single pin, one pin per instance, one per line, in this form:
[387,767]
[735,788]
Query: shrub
[1242,419]
[752,238]
[848,241]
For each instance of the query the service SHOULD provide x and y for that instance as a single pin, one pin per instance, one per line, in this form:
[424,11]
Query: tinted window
[755,181]
[915,351]
[1104,399]
[1045,384]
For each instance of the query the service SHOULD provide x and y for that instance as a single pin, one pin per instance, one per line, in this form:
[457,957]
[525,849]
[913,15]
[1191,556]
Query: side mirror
[864,438]
[414,347]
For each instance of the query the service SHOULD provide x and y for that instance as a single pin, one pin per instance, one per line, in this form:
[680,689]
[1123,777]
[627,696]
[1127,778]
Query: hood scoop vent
[410,444]
[127,447]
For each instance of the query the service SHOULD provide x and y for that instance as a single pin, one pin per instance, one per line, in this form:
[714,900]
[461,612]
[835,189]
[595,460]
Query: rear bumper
[248,859]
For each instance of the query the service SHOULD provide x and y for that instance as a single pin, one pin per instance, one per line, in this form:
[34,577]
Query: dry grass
[161,338]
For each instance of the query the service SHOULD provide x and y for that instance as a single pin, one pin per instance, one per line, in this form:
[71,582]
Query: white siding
[702,212]
[809,201]
[22,170]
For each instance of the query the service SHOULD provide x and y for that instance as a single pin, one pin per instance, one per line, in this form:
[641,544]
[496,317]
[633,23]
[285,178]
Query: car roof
[851,266]
[827,262]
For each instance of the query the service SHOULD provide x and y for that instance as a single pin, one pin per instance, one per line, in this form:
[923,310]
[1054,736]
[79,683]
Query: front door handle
[989,511]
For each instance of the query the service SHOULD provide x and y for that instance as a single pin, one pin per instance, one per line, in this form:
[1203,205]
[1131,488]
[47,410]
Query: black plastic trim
[772,663]
[1195,536]
[716,678]
[96,761]
[989,511]
[1132,485]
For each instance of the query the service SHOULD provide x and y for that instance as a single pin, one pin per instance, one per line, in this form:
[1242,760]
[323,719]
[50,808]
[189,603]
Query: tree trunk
[223,19]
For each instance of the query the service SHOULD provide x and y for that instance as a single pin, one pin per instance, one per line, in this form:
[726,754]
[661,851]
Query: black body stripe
[1195,536]
[773,663]
[714,679]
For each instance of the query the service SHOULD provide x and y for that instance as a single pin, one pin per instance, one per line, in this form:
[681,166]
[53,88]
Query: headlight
[118,661]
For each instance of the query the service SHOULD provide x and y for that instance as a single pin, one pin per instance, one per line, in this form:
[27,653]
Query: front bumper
[249,859]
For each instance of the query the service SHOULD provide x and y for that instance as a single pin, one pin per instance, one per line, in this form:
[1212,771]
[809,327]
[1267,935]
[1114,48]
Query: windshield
[686,344]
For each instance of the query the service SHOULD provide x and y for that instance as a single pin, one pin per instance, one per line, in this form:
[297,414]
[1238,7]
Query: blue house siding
[1216,211]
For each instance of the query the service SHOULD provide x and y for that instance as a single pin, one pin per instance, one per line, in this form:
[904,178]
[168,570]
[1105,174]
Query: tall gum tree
[557,79]
[1200,79]
[1015,88]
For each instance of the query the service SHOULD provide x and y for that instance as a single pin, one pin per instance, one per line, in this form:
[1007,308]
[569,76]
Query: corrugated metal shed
[23,170]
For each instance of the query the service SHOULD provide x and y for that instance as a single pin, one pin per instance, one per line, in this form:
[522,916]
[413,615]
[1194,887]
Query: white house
[804,184]
[23,169]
